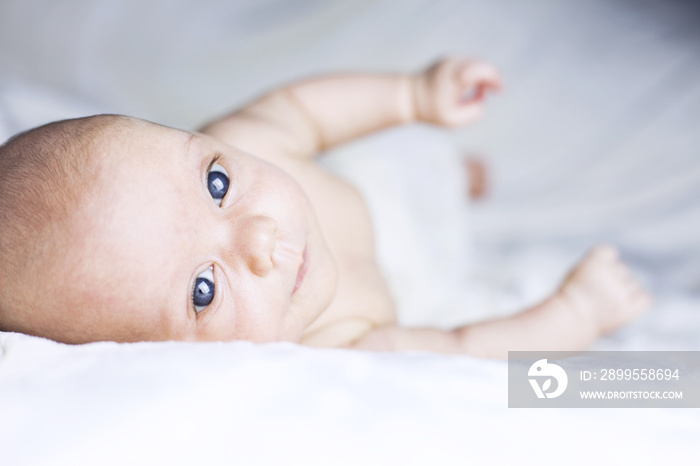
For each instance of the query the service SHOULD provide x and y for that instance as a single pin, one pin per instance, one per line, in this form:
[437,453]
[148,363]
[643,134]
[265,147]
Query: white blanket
[595,139]
[237,403]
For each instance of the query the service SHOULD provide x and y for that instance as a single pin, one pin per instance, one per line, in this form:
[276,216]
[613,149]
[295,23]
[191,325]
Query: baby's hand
[602,291]
[452,91]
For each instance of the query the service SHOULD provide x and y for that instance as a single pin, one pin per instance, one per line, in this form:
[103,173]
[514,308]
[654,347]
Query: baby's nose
[259,237]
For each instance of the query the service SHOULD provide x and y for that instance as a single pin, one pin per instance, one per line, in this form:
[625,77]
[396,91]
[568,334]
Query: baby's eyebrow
[190,139]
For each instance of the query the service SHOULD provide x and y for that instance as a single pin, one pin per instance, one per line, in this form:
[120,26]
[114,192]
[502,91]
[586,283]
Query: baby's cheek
[263,318]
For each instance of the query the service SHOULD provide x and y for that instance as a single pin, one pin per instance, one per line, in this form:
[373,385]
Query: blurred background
[595,138]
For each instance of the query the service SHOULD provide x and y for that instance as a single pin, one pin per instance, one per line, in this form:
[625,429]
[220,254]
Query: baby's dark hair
[44,173]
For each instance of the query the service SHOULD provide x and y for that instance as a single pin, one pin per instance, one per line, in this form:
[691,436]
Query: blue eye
[204,290]
[217,183]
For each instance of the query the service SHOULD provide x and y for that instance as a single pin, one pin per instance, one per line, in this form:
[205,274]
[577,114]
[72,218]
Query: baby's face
[187,238]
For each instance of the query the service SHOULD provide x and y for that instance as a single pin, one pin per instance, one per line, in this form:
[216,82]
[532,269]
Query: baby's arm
[308,117]
[597,297]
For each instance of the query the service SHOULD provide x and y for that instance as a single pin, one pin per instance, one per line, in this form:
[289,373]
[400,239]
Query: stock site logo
[547,371]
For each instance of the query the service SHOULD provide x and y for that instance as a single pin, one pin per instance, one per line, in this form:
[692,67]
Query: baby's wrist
[422,98]
[408,106]
[583,320]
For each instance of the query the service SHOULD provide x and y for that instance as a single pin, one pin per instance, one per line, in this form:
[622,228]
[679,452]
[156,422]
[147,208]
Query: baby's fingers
[479,77]
[466,112]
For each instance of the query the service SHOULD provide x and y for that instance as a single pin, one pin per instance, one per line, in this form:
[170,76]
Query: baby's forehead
[141,139]
[71,232]
[121,247]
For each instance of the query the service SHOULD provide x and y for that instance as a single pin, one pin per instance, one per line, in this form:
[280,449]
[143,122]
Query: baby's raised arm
[308,117]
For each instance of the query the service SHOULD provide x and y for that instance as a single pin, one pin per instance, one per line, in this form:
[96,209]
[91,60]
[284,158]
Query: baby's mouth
[303,268]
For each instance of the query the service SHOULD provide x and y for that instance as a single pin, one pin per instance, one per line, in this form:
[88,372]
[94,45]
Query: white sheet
[180,403]
[595,139]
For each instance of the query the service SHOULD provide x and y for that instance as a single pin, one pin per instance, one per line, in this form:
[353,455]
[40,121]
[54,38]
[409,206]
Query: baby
[115,228]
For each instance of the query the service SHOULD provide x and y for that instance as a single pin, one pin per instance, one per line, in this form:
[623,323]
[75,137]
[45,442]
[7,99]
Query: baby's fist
[451,92]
